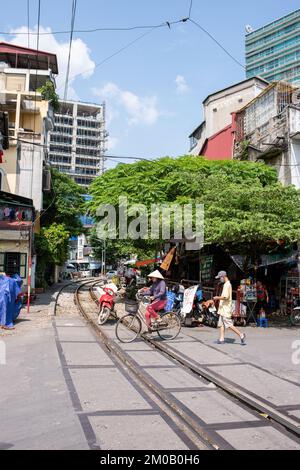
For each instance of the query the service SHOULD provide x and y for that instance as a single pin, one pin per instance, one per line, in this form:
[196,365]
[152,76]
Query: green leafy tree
[48,93]
[64,204]
[121,249]
[52,243]
[60,220]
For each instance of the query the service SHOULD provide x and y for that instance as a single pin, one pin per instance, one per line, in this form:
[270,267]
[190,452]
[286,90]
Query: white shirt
[225,305]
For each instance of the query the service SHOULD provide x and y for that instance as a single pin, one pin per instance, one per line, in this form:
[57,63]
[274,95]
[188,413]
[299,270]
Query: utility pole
[103,260]
[298,265]
[30,232]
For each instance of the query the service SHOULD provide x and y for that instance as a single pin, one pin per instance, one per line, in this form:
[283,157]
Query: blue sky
[155,88]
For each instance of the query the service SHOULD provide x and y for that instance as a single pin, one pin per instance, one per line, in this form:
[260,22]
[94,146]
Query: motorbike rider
[158,296]
[225,315]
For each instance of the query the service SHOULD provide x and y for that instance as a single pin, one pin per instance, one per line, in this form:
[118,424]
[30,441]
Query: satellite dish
[248,28]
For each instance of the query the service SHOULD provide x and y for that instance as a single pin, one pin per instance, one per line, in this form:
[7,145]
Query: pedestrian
[158,296]
[225,309]
[262,297]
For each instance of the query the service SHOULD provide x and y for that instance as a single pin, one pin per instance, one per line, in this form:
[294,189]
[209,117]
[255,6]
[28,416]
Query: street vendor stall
[248,297]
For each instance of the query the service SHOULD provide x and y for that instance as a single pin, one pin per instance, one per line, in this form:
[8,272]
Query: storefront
[16,223]
[277,272]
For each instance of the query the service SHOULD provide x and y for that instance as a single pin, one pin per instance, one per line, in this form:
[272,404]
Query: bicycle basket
[131,306]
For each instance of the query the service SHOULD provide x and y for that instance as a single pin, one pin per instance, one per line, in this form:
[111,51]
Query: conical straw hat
[156,274]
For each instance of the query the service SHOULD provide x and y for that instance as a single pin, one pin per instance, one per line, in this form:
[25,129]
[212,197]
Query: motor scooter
[191,309]
[107,303]
[210,314]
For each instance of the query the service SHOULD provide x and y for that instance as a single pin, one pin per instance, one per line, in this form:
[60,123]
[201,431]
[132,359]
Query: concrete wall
[22,166]
[217,108]
[31,174]
[8,167]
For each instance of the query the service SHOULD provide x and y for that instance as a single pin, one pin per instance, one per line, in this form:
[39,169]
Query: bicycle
[130,326]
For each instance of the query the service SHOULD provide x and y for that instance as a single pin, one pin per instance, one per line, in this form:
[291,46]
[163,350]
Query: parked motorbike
[175,299]
[191,309]
[107,303]
[210,314]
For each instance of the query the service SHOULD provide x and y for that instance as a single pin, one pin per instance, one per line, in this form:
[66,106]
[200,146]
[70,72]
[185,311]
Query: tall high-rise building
[273,51]
[77,142]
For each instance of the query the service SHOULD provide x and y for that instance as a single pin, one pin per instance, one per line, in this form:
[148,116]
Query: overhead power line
[94,30]
[119,157]
[113,54]
[36,72]
[190,9]
[28,23]
[217,42]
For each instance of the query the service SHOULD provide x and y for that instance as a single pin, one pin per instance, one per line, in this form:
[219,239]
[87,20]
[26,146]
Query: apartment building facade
[77,142]
[269,127]
[273,51]
[22,72]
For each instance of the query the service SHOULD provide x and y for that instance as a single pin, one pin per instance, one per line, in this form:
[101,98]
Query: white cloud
[181,85]
[81,62]
[139,109]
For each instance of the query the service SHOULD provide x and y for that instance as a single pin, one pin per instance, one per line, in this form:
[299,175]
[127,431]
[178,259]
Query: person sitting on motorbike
[158,297]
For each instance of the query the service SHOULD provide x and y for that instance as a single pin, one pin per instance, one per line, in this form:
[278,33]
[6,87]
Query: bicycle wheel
[103,315]
[128,328]
[171,326]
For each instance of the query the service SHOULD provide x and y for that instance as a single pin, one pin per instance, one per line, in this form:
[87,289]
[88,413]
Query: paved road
[60,389]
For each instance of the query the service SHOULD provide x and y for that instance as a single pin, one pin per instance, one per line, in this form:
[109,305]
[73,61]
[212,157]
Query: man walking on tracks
[225,315]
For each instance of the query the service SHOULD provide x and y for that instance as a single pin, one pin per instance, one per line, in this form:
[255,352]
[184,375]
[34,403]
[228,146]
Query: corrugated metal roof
[7,48]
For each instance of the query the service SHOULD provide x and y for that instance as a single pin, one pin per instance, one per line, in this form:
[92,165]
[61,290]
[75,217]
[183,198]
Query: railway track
[85,298]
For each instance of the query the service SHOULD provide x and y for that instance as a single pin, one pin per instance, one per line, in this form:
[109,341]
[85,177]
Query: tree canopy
[64,204]
[243,201]
[60,220]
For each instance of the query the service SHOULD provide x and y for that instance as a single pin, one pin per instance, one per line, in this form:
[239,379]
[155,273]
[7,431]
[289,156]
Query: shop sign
[206,265]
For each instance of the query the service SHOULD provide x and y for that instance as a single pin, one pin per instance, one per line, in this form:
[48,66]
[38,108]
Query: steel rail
[233,390]
[158,391]
[263,409]
[73,283]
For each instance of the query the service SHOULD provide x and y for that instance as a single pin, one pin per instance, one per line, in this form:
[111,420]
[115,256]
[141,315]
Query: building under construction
[77,142]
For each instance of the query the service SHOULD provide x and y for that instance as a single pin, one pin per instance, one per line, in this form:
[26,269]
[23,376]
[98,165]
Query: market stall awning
[147,261]
[267,260]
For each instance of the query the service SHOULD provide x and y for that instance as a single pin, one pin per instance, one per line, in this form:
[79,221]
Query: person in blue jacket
[10,305]
[6,321]
[18,302]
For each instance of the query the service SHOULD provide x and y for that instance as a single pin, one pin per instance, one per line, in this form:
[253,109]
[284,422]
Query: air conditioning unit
[46,181]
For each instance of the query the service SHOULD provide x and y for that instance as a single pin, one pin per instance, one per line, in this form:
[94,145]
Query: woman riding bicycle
[158,297]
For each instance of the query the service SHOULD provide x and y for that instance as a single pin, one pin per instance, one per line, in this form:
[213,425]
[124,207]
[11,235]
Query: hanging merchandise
[168,259]
[248,295]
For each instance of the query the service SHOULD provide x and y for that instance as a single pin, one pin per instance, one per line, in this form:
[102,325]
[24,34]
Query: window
[23,263]
[2,262]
